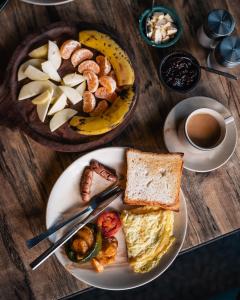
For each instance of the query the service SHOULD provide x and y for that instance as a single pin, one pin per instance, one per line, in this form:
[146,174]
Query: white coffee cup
[187,140]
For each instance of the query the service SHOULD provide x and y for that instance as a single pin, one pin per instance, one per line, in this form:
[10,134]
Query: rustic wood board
[29,170]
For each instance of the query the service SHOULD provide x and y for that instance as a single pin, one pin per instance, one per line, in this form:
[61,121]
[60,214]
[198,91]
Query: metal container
[226,54]
[218,24]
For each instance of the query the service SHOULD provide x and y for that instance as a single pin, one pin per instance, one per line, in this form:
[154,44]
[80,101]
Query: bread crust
[175,205]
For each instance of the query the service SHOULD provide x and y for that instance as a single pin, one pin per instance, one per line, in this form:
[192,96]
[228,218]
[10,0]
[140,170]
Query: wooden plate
[14,115]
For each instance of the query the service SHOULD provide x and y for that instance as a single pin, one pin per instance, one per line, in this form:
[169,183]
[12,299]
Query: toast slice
[153,179]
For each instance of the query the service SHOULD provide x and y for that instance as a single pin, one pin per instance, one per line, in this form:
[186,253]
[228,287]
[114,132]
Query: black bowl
[179,71]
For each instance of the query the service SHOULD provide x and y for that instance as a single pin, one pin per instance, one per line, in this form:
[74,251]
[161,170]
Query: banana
[116,55]
[110,119]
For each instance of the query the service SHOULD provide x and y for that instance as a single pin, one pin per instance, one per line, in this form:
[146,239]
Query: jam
[180,72]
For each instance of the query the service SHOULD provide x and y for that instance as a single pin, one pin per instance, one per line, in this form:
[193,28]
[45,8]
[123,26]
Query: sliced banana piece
[44,97]
[40,52]
[35,74]
[49,69]
[72,94]
[61,117]
[58,105]
[54,54]
[35,62]
[73,79]
[35,88]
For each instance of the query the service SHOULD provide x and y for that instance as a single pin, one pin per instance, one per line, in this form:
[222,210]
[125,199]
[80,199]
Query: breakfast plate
[53,77]
[205,161]
[65,198]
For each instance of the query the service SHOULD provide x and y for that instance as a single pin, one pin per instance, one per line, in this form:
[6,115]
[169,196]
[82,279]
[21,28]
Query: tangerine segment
[104,64]
[80,55]
[101,107]
[102,93]
[89,102]
[109,83]
[89,65]
[68,47]
[92,81]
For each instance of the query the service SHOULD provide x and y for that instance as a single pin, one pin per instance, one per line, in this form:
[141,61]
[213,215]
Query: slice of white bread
[153,179]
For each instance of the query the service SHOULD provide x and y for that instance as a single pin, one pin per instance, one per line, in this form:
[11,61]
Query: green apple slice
[44,97]
[82,88]
[61,117]
[54,54]
[49,69]
[35,74]
[35,62]
[42,109]
[35,88]
[73,79]
[72,94]
[58,105]
[40,52]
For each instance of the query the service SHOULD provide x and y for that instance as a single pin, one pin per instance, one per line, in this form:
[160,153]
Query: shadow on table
[211,270]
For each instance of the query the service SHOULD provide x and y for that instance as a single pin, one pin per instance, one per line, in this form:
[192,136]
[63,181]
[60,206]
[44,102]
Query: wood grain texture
[29,170]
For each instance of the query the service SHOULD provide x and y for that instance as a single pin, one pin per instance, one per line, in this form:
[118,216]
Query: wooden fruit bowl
[14,115]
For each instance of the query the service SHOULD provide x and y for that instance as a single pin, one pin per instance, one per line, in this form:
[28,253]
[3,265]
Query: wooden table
[29,170]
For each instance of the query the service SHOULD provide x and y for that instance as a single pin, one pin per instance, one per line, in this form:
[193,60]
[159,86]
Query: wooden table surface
[29,170]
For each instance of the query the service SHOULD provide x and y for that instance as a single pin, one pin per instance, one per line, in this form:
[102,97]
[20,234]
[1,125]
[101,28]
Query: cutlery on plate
[94,202]
[75,228]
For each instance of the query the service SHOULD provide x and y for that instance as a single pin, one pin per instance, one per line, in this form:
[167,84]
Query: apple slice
[82,88]
[73,79]
[61,117]
[35,74]
[42,109]
[35,88]
[72,94]
[54,54]
[35,62]
[44,97]
[40,52]
[49,69]
[58,105]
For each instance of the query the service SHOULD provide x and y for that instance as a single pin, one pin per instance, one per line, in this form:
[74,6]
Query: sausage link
[103,171]
[85,184]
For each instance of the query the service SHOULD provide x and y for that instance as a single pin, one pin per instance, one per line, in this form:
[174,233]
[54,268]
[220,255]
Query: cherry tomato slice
[109,223]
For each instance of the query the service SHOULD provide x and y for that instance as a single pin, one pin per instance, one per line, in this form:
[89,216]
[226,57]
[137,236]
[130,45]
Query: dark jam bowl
[179,71]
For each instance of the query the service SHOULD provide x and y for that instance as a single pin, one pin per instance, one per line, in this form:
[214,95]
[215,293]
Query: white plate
[207,160]
[65,196]
[47,2]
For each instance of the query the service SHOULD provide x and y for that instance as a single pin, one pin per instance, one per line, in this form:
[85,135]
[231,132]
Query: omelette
[149,234]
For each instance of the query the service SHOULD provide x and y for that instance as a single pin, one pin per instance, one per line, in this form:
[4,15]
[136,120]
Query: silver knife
[46,254]
[94,202]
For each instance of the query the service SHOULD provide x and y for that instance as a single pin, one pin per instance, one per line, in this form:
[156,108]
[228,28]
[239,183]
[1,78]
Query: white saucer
[207,160]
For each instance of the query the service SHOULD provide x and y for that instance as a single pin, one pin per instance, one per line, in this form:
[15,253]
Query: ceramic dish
[207,160]
[166,10]
[23,115]
[65,197]
[47,2]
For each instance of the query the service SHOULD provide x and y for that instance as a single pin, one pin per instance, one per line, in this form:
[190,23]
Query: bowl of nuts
[160,27]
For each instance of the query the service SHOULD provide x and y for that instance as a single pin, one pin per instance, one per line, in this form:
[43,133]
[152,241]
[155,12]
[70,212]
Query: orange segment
[109,83]
[102,93]
[68,47]
[89,102]
[80,55]
[100,108]
[104,64]
[89,65]
[92,80]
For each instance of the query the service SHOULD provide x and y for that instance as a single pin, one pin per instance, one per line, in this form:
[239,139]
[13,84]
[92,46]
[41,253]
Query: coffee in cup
[204,129]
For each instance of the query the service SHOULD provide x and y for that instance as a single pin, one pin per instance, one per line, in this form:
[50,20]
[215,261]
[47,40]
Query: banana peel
[110,119]
[116,55]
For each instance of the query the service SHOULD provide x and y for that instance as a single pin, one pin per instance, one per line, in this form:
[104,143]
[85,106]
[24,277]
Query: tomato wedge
[109,223]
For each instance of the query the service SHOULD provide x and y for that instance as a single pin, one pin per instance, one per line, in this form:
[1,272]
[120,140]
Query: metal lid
[228,50]
[219,23]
